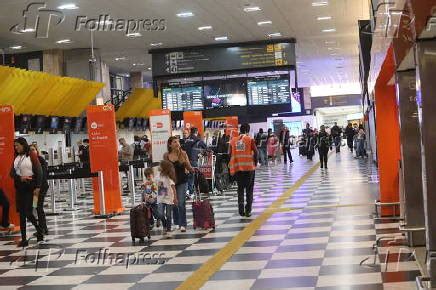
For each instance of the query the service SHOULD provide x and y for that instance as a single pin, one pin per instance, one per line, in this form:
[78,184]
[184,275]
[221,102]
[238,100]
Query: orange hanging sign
[7,135]
[104,156]
[194,119]
[232,126]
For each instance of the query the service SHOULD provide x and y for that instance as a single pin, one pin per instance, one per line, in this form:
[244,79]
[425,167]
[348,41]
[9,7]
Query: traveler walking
[42,222]
[336,134]
[27,175]
[349,133]
[324,142]
[361,139]
[286,144]
[261,140]
[243,160]
[182,167]
[272,146]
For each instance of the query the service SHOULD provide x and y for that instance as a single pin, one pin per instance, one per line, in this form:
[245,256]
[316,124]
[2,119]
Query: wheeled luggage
[203,214]
[140,217]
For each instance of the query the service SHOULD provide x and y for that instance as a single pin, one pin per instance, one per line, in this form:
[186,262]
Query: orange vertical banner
[7,135]
[388,144]
[104,156]
[232,126]
[194,119]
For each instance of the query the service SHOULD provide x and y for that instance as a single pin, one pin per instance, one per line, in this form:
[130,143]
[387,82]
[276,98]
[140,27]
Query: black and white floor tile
[315,240]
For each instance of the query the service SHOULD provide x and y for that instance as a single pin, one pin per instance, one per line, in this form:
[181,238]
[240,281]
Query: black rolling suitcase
[140,217]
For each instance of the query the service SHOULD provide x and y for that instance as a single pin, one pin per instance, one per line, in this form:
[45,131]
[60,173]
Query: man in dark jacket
[323,144]
[193,146]
[336,133]
[350,132]
[286,144]
[261,139]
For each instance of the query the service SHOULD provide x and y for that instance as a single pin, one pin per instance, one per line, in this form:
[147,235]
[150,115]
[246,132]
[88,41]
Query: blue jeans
[190,184]
[165,214]
[361,148]
[179,211]
[262,156]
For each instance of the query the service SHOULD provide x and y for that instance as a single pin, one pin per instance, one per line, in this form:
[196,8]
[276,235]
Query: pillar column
[388,144]
[426,99]
[410,139]
[136,80]
[78,64]
[53,62]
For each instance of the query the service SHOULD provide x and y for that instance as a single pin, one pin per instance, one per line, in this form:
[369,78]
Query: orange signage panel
[7,135]
[103,151]
[232,126]
[194,119]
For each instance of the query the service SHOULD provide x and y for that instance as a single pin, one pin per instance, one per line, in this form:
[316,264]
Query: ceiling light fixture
[28,30]
[252,9]
[69,6]
[276,34]
[266,22]
[185,14]
[63,41]
[330,42]
[120,58]
[156,44]
[205,27]
[149,68]
[221,38]
[320,3]
[324,18]
[134,34]
[329,30]
[16,47]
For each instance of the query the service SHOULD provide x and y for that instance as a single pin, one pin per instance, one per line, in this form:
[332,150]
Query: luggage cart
[206,165]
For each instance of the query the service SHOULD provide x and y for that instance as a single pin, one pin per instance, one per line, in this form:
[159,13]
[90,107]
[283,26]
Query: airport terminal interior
[217,144]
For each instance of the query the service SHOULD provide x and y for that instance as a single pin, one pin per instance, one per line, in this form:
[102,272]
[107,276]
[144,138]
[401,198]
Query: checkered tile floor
[315,242]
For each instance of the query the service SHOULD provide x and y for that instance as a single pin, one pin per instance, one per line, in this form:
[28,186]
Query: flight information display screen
[223,93]
[269,91]
[182,98]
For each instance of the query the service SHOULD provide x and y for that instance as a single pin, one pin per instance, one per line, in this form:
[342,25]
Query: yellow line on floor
[285,209]
[211,266]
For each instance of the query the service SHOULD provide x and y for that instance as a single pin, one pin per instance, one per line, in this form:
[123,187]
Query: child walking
[166,195]
[149,195]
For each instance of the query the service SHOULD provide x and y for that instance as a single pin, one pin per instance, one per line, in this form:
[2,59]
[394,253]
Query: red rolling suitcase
[202,210]
[140,217]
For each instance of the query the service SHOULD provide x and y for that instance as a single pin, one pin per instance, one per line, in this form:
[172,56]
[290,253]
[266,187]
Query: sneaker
[248,214]
[39,238]
[182,229]
[23,244]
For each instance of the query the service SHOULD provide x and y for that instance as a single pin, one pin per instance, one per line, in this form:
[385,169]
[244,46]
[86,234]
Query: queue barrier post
[131,184]
[53,199]
[71,189]
[102,213]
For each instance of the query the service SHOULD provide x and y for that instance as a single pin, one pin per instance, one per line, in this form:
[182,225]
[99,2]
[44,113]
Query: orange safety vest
[241,155]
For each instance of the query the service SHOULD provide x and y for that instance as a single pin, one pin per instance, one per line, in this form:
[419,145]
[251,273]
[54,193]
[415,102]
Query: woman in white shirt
[27,174]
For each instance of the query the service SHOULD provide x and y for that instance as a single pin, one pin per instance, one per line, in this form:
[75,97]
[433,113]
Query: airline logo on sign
[158,125]
[107,108]
[94,125]
[5,109]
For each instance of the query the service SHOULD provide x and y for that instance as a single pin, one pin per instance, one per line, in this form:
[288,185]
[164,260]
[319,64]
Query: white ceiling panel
[324,58]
